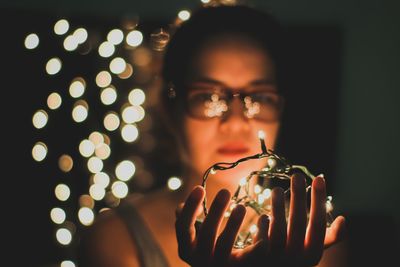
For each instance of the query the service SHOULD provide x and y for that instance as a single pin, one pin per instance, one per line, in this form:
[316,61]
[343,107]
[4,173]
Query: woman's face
[237,67]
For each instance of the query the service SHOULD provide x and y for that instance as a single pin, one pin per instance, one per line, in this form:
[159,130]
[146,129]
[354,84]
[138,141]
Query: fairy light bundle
[258,197]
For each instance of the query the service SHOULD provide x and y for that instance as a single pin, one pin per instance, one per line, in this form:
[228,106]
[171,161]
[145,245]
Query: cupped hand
[296,241]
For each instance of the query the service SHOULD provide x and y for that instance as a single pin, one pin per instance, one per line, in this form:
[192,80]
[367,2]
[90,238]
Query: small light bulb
[261,134]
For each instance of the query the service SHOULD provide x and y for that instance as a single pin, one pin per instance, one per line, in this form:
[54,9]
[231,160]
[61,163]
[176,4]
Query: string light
[277,168]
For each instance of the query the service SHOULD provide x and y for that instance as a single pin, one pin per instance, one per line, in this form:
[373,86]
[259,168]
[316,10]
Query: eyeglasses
[210,102]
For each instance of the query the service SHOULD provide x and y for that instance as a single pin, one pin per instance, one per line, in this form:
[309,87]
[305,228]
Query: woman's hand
[278,242]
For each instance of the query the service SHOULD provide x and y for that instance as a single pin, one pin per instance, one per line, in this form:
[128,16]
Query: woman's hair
[205,24]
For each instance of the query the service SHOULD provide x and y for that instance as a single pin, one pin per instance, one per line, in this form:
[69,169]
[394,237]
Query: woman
[222,71]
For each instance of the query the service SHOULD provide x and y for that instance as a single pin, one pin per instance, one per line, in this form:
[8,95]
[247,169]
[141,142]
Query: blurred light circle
[31,41]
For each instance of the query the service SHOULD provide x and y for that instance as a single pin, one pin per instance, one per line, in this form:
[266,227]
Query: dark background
[342,115]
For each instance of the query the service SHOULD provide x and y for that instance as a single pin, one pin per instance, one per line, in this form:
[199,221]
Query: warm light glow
[67,264]
[184,14]
[106,49]
[31,41]
[253,229]
[70,43]
[53,66]
[129,133]
[271,163]
[128,71]
[40,119]
[103,79]
[134,38]
[62,192]
[125,170]
[205,1]
[97,192]
[39,151]
[86,148]
[111,121]
[174,183]
[242,181]
[132,114]
[119,189]
[117,65]
[57,215]
[77,87]
[102,151]
[115,36]
[61,27]
[136,97]
[86,216]
[54,101]
[80,111]
[261,134]
[108,95]
[95,165]
[80,35]
[267,193]
[96,138]
[86,201]
[65,163]
[64,236]
[102,179]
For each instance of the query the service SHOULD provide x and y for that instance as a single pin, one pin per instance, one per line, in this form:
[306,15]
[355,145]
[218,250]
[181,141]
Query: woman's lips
[233,149]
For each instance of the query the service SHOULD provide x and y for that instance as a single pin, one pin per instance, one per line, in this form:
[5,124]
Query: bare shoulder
[107,243]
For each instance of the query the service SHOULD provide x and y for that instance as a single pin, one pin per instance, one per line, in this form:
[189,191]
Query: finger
[278,226]
[297,215]
[209,228]
[263,227]
[184,224]
[336,232]
[227,238]
[317,223]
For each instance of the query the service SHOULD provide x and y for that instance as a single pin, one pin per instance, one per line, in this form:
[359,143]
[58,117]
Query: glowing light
[174,183]
[96,138]
[61,27]
[70,43]
[115,36]
[102,179]
[80,111]
[31,41]
[134,38]
[86,216]
[267,193]
[205,1]
[97,192]
[253,229]
[40,119]
[125,170]
[106,49]
[119,189]
[111,121]
[117,65]
[77,87]
[257,189]
[129,133]
[39,151]
[65,163]
[261,134]
[128,71]
[136,97]
[95,165]
[62,192]
[103,79]
[103,151]
[108,95]
[184,14]
[57,215]
[86,148]
[53,66]
[54,101]
[80,35]
[67,264]
[271,163]
[86,201]
[132,114]
[64,236]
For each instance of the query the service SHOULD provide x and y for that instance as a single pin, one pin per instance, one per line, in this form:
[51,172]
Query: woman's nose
[235,120]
